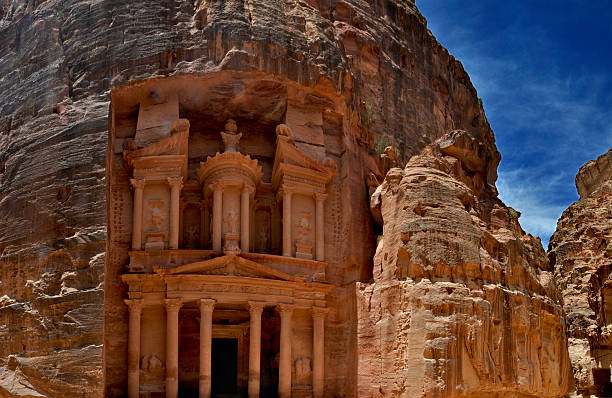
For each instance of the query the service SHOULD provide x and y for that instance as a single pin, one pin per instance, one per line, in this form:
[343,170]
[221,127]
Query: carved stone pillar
[206,311]
[255,309]
[173,307]
[138,185]
[284,368]
[287,244]
[176,184]
[318,351]
[217,215]
[204,224]
[320,227]
[135,308]
[245,219]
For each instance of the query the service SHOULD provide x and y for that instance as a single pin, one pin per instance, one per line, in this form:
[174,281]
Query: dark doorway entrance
[224,365]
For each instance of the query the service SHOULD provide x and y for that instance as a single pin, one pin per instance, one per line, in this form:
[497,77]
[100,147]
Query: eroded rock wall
[463,302]
[581,253]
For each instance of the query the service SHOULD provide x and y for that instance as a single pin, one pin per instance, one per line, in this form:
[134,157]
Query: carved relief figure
[303,371]
[230,136]
[156,215]
[231,222]
[303,225]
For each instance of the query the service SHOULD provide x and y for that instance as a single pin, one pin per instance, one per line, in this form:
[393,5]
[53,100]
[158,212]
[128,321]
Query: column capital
[320,197]
[138,183]
[207,304]
[173,304]
[134,304]
[204,203]
[248,188]
[287,190]
[175,181]
[285,309]
[216,186]
[319,312]
[256,306]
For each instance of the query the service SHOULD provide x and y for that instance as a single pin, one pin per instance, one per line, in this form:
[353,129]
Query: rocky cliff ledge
[463,302]
[581,253]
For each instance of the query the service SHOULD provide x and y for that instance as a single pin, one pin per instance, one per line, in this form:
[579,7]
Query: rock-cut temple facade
[219,243]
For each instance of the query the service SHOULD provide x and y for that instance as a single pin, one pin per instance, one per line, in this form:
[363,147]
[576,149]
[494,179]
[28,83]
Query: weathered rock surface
[581,253]
[463,302]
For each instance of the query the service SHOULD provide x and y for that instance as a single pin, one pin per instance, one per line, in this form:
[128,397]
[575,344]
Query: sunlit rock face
[463,302]
[581,253]
[348,78]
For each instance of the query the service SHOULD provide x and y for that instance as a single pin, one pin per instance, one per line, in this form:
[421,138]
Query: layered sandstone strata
[581,253]
[463,302]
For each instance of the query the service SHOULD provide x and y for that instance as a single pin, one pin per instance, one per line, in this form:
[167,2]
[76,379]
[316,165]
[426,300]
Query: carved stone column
[255,309]
[320,227]
[217,215]
[318,351]
[173,307]
[135,308]
[287,225]
[284,368]
[245,219]
[176,184]
[206,310]
[204,224]
[138,185]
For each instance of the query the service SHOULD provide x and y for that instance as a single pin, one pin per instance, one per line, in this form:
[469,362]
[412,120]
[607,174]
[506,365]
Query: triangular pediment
[290,160]
[234,265]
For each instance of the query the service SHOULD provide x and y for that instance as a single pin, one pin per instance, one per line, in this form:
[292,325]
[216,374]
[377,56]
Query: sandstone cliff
[59,60]
[581,253]
[463,302]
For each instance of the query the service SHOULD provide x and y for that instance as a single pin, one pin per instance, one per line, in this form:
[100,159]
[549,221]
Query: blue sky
[544,72]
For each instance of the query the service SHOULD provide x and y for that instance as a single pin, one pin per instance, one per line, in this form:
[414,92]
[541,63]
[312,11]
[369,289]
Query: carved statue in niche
[156,215]
[303,225]
[231,222]
[303,371]
[303,245]
[285,131]
[230,136]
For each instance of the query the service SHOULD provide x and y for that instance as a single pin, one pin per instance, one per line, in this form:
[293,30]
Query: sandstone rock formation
[463,302]
[347,76]
[581,253]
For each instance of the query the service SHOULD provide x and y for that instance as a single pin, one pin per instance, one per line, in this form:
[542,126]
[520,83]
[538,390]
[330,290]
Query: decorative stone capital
[207,305]
[138,183]
[173,304]
[175,181]
[285,309]
[248,188]
[256,307]
[320,197]
[319,312]
[287,190]
[216,186]
[134,305]
[204,204]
